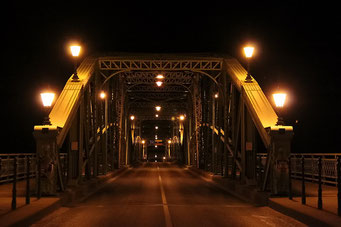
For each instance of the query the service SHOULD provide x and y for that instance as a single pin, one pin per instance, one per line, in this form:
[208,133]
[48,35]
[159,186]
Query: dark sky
[297,49]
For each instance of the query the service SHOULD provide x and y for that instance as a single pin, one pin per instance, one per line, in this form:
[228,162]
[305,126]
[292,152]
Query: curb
[29,214]
[242,192]
[306,214]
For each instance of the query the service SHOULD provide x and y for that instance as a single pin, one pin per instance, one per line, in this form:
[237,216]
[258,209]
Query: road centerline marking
[168,219]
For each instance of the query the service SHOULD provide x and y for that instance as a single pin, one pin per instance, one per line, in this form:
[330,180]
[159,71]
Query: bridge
[174,132]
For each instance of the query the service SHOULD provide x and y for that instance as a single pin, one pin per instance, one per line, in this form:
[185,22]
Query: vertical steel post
[289,173]
[338,166]
[14,189]
[303,200]
[38,177]
[319,200]
[27,180]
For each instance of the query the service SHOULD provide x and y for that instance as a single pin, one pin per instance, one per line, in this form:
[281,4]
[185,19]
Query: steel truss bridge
[223,135]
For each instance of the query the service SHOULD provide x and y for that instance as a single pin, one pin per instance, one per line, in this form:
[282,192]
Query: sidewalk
[308,214]
[25,215]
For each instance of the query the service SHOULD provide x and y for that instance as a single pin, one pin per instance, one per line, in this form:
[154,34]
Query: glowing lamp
[159,83]
[156,115]
[102,95]
[169,141]
[248,51]
[279,99]
[75,50]
[182,117]
[132,117]
[143,141]
[158,108]
[47,99]
[216,95]
[160,76]
[156,127]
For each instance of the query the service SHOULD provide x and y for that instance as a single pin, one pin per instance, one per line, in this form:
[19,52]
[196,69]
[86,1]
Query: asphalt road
[160,194]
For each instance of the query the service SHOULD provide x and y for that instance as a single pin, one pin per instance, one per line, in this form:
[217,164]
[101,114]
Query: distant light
[279,99]
[156,127]
[159,76]
[158,108]
[173,118]
[155,147]
[102,95]
[143,141]
[248,51]
[216,95]
[47,98]
[169,141]
[182,117]
[75,50]
[159,83]
[156,115]
[132,117]
[164,157]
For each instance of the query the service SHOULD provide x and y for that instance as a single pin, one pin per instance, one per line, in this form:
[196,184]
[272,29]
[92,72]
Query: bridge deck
[163,195]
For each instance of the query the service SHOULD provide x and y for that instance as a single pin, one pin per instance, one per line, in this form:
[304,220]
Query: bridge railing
[311,169]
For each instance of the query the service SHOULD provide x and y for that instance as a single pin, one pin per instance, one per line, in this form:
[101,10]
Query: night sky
[298,49]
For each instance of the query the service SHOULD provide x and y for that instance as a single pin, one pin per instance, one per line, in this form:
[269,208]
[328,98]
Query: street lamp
[159,83]
[102,95]
[47,99]
[248,51]
[132,117]
[158,108]
[75,50]
[156,127]
[182,117]
[279,99]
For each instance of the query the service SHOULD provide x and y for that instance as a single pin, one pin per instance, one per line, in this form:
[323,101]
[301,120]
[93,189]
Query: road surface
[161,194]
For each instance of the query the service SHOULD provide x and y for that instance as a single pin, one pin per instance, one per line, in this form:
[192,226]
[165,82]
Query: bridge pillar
[279,153]
[47,154]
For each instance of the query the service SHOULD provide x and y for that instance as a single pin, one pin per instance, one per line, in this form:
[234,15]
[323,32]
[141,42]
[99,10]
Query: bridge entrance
[195,109]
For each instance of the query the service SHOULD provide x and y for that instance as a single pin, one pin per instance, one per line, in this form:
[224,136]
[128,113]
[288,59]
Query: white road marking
[168,219]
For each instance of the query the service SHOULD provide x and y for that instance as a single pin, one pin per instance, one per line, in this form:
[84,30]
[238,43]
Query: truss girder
[164,89]
[149,77]
[169,65]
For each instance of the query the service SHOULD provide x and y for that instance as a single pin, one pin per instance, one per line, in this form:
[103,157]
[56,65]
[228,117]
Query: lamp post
[47,99]
[279,99]
[75,50]
[248,51]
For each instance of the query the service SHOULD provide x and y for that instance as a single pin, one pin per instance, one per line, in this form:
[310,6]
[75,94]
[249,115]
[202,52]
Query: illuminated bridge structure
[227,121]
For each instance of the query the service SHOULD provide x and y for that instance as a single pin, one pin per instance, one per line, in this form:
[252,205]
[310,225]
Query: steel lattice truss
[166,65]
[149,77]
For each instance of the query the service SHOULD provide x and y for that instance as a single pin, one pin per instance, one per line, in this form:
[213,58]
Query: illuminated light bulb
[279,99]
[143,141]
[158,108]
[156,115]
[248,51]
[160,76]
[216,95]
[102,95]
[75,50]
[132,117]
[182,117]
[47,98]
[159,83]
[156,127]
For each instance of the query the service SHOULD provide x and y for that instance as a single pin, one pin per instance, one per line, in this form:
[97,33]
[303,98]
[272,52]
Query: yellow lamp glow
[216,95]
[279,99]
[156,115]
[158,108]
[132,117]
[182,117]
[143,141]
[169,141]
[156,127]
[248,51]
[102,95]
[47,98]
[75,50]
[160,76]
[159,83]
